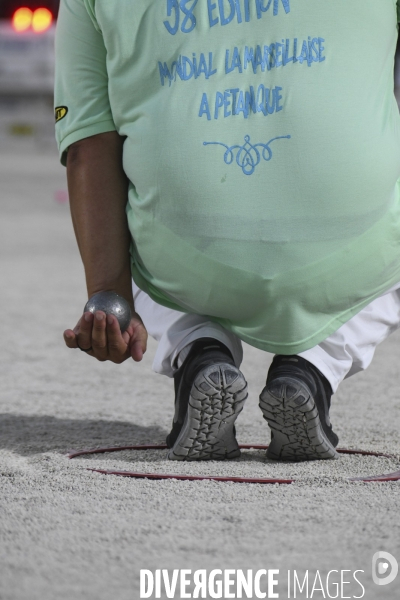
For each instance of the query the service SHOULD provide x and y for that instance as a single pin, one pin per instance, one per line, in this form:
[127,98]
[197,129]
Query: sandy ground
[68,533]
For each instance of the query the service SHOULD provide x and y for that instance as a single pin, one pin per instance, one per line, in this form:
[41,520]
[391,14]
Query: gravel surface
[69,533]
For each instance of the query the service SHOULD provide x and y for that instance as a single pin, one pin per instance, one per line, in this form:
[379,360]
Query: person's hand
[99,336]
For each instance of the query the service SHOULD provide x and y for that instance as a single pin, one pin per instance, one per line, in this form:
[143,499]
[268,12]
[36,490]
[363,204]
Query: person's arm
[98,190]
[91,148]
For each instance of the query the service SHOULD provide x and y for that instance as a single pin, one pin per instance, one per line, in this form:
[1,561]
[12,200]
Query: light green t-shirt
[262,148]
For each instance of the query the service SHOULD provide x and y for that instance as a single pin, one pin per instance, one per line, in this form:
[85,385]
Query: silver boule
[112,304]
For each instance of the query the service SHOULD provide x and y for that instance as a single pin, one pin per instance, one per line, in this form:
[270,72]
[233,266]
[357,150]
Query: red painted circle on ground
[158,476]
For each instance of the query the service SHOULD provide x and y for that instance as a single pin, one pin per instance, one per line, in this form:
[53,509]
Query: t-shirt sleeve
[82,106]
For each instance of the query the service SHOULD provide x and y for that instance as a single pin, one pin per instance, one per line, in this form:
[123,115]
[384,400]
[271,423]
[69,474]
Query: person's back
[254,232]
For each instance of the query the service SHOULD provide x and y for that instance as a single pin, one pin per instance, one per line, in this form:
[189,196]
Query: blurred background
[27,30]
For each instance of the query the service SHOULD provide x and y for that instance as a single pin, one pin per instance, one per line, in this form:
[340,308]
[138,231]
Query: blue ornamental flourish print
[248,156]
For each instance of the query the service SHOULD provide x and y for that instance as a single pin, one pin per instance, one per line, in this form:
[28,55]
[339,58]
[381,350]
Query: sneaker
[209,395]
[295,402]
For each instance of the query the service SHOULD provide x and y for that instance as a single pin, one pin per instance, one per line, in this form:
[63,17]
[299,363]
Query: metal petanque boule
[112,304]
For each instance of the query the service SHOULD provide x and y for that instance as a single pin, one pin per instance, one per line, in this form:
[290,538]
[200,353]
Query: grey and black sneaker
[209,395]
[295,402]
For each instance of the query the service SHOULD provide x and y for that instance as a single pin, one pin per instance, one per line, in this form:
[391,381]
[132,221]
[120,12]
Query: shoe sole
[289,408]
[216,399]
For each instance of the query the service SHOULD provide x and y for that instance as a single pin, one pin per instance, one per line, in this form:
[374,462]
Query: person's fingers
[99,335]
[102,335]
[117,345]
[137,351]
[84,331]
[138,343]
[70,338]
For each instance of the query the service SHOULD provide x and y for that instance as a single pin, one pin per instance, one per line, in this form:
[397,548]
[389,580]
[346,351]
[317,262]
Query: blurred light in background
[22,19]
[39,20]
[9,7]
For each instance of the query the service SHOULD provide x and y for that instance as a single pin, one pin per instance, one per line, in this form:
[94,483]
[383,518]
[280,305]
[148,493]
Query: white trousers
[346,352]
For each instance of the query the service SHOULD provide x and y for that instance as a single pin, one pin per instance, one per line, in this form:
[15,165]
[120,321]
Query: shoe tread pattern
[297,434]
[217,397]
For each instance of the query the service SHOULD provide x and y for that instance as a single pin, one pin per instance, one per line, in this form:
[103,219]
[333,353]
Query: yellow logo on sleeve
[60,112]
